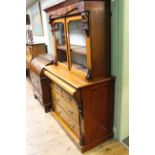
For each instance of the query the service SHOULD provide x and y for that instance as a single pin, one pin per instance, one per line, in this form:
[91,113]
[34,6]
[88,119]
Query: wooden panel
[66,128]
[56,88]
[34,50]
[46,94]
[98,111]
[39,49]
[63,9]
[71,110]
[72,125]
[35,79]
[65,4]
[100,37]
[66,96]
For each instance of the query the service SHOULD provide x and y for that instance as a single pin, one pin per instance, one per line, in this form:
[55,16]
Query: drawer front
[66,96]
[72,124]
[72,111]
[39,97]
[37,85]
[36,81]
[56,88]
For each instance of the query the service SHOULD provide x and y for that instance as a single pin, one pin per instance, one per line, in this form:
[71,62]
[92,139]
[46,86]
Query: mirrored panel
[77,40]
[60,42]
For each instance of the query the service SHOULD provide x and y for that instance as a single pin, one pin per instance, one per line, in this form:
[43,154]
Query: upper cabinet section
[81,31]
[77,44]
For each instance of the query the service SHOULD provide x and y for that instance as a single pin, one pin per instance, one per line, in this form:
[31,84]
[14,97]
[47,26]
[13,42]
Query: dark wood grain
[66,3]
[98,110]
[40,83]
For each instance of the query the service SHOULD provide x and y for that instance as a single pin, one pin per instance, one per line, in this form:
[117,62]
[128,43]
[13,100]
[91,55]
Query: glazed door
[60,42]
[78,45]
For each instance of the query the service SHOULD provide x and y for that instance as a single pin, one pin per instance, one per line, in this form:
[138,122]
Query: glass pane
[60,42]
[77,39]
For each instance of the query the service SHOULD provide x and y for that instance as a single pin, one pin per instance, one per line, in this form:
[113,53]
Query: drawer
[39,96]
[56,88]
[36,81]
[71,124]
[66,96]
[35,77]
[72,111]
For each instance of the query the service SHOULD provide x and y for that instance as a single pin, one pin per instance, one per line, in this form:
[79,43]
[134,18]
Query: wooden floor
[45,136]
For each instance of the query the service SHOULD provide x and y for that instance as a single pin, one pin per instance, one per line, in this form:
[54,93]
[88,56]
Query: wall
[47,38]
[120,66]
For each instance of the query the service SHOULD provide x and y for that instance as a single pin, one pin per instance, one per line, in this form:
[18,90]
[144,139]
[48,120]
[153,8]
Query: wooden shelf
[74,48]
[78,49]
[64,62]
[61,47]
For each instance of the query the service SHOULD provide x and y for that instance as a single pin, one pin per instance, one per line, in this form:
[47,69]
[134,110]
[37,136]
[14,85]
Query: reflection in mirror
[77,38]
[60,42]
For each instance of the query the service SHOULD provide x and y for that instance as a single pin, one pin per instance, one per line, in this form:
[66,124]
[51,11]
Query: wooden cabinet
[33,50]
[66,109]
[40,83]
[84,109]
[82,88]
[82,37]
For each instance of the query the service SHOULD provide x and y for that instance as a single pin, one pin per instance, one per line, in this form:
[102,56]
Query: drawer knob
[70,111]
[71,125]
[57,100]
[60,112]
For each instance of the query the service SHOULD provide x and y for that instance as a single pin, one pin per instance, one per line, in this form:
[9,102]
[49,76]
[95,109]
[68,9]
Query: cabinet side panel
[100,27]
[98,111]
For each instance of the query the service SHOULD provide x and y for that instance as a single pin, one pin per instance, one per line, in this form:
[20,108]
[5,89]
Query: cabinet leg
[47,107]
[35,96]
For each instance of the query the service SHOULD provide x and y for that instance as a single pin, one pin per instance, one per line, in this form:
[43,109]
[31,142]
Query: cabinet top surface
[63,3]
[71,78]
[33,44]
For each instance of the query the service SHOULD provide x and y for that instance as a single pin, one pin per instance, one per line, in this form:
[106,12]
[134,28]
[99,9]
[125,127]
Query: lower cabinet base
[97,142]
[64,126]
[75,139]
[85,113]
